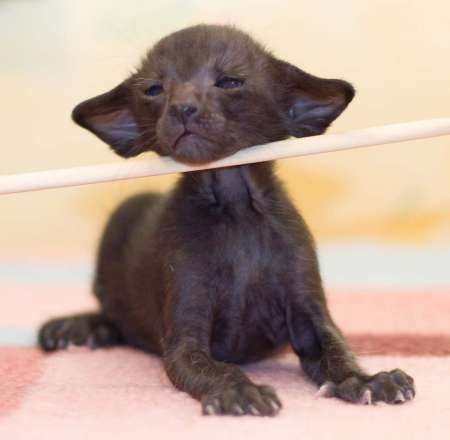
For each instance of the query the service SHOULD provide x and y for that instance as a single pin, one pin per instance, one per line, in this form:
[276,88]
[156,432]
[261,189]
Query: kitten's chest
[249,285]
[247,258]
[233,226]
[237,231]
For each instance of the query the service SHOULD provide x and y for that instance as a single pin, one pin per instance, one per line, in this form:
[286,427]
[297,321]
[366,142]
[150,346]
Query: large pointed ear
[109,117]
[309,104]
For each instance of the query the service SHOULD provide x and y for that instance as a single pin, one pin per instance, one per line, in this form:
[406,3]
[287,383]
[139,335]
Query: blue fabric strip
[356,265]
[17,336]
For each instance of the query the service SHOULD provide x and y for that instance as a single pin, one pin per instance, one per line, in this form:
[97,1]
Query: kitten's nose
[184,111]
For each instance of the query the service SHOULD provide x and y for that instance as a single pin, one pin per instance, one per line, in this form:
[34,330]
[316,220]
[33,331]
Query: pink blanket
[122,393]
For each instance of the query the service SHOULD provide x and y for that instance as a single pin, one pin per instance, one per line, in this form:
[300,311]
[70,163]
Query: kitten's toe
[211,405]
[54,335]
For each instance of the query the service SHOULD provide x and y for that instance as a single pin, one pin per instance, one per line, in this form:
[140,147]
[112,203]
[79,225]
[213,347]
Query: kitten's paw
[92,330]
[242,399]
[391,387]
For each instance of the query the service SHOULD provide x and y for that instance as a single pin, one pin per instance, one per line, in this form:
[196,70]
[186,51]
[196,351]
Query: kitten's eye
[228,82]
[155,90]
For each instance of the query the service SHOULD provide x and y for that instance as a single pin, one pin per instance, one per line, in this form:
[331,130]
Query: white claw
[254,411]
[366,398]
[275,406]
[209,409]
[399,398]
[326,390]
[237,409]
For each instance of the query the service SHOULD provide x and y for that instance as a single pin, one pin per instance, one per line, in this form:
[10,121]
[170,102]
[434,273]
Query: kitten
[222,270]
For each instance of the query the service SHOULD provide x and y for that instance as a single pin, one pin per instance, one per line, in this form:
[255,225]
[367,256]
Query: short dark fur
[223,269]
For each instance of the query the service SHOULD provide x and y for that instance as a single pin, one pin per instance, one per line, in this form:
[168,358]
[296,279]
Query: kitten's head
[206,92]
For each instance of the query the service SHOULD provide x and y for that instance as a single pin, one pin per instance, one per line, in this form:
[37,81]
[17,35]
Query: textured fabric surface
[121,393]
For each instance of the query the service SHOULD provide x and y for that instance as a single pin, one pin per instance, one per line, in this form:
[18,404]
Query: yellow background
[55,53]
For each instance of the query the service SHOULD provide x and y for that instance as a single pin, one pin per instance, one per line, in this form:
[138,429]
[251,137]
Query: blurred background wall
[55,53]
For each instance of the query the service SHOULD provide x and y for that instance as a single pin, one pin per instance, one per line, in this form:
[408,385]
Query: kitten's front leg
[328,361]
[222,388]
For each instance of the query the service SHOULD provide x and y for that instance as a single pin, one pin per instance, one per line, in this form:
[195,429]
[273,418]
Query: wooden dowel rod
[365,137]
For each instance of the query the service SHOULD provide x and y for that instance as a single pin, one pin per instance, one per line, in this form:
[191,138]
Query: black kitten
[223,269]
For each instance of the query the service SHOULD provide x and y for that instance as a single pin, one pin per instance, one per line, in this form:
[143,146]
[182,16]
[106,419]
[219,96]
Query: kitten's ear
[310,104]
[109,117]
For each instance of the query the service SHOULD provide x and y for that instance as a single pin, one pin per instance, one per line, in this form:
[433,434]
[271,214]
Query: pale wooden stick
[277,150]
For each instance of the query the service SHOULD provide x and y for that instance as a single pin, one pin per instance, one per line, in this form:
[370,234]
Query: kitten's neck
[236,185]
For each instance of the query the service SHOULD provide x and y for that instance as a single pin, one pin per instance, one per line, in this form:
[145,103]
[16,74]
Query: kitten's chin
[193,149]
